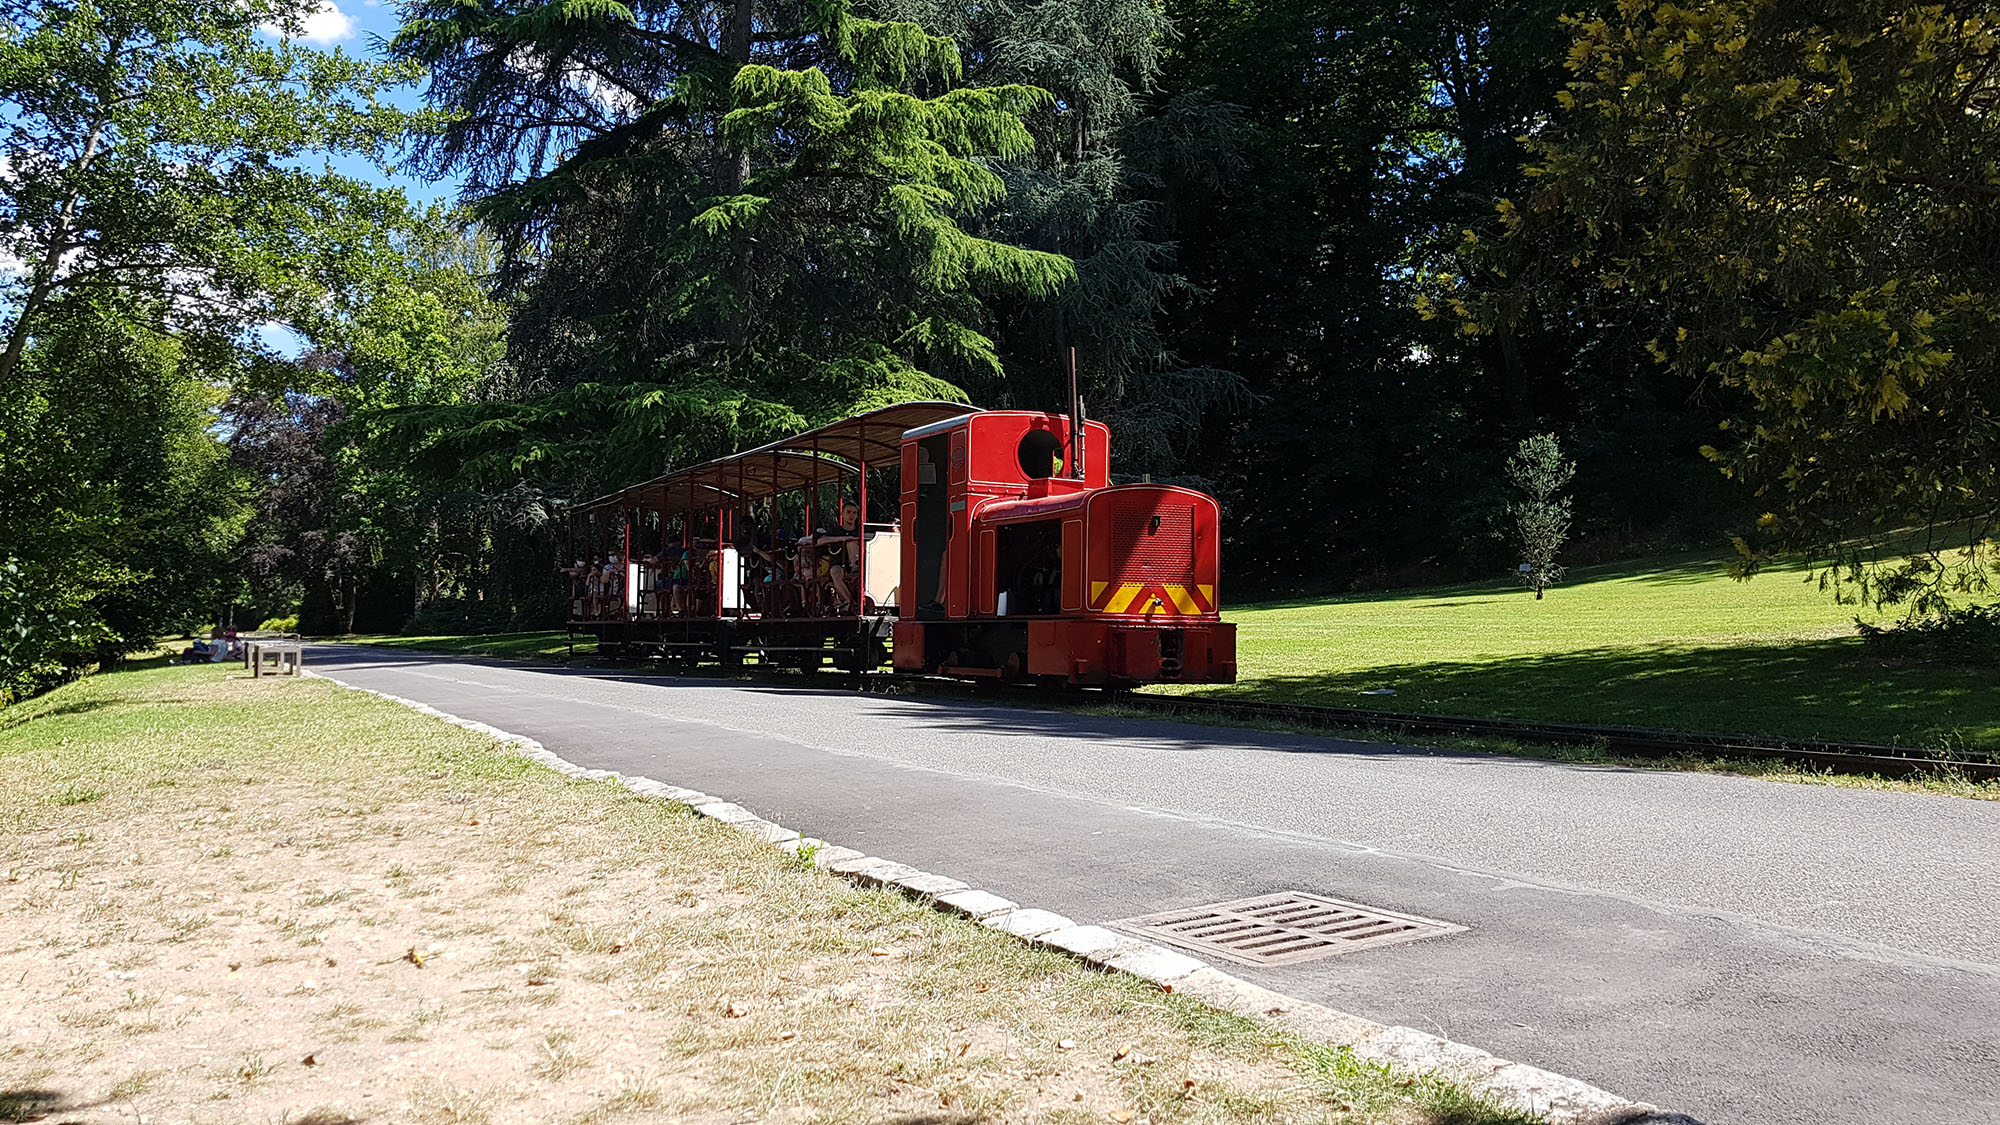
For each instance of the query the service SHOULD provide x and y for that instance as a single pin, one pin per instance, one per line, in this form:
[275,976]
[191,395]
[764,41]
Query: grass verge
[543,644]
[238,900]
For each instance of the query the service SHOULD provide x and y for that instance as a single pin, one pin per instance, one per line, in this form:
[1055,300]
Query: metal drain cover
[1284,929]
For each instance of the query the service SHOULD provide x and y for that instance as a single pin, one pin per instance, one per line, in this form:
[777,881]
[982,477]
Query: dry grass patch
[287,902]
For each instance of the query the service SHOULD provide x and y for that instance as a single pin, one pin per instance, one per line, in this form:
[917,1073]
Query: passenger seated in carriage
[759,566]
[789,567]
[611,591]
[837,559]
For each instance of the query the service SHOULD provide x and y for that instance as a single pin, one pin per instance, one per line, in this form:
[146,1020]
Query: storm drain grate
[1284,929]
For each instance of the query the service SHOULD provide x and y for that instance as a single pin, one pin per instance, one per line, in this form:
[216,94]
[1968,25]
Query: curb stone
[1028,922]
[977,905]
[1561,1100]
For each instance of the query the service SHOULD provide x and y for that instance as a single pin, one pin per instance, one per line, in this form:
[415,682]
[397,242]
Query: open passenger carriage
[747,555]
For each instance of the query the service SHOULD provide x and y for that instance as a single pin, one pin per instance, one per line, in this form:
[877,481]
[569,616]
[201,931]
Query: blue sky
[362,27]
[358,27]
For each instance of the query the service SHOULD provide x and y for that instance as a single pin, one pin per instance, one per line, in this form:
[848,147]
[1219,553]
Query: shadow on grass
[25,712]
[34,1104]
[1679,570]
[1800,689]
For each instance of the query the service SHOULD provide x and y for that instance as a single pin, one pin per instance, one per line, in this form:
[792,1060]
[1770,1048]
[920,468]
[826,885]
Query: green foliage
[1795,202]
[1106,144]
[286,624]
[1541,519]
[732,246]
[43,634]
[115,499]
[1969,635]
[151,146]
[1371,136]
[158,201]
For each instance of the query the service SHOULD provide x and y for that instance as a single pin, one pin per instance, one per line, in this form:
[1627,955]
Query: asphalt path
[1736,950]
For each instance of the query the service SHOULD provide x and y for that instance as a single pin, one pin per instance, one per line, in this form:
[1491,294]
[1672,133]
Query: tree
[116,504]
[155,203]
[42,634]
[1094,188]
[341,533]
[760,217]
[154,146]
[1797,204]
[1374,137]
[1541,520]
[1292,260]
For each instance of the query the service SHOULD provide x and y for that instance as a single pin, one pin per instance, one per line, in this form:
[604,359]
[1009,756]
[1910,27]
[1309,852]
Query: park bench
[288,653]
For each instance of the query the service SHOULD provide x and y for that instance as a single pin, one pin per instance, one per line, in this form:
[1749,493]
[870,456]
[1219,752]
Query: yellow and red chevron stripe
[1150,598]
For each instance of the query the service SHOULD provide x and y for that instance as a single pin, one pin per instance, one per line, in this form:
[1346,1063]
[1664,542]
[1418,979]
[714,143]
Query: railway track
[1630,742]
[1619,741]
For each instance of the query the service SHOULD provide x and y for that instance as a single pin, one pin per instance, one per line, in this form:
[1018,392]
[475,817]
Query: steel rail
[1634,742]
[1620,741]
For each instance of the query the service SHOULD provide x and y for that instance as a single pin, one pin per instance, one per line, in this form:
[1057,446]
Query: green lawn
[545,644]
[1676,645]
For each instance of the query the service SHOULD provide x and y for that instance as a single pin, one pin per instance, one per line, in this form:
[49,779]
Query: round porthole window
[1040,454]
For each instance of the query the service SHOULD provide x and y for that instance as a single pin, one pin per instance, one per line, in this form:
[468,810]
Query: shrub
[286,624]
[450,616]
[1955,636]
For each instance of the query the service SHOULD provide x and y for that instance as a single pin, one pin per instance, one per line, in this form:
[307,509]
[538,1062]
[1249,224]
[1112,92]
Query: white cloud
[620,103]
[325,24]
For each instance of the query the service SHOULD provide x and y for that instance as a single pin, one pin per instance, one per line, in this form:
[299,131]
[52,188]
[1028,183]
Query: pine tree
[1092,189]
[716,236]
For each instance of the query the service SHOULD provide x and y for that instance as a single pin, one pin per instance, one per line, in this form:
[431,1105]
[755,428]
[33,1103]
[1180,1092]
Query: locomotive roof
[825,453]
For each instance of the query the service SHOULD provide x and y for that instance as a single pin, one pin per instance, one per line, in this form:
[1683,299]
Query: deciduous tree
[156,146]
[1800,203]
[1540,472]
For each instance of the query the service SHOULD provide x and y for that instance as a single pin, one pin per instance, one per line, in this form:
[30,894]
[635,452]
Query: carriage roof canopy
[818,455]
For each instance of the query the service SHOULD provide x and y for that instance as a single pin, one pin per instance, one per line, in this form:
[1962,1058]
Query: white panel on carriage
[885,560]
[729,581]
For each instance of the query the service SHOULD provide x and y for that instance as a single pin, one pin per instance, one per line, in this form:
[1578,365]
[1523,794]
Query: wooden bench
[290,656]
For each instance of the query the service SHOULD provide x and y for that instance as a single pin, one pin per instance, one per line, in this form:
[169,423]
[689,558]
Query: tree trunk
[736,44]
[52,254]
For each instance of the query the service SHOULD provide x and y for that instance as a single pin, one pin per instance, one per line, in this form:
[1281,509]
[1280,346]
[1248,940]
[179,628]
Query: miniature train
[1010,557]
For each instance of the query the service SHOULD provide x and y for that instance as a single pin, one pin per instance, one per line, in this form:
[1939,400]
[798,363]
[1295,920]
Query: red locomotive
[1013,558]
